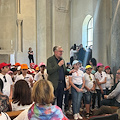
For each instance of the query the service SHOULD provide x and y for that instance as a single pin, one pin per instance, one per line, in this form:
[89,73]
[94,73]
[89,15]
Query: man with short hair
[113,99]
[56,73]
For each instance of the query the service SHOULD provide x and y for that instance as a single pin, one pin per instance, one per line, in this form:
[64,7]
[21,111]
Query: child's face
[5,69]
[76,66]
[100,68]
[24,71]
[107,71]
[88,71]
[42,68]
[80,64]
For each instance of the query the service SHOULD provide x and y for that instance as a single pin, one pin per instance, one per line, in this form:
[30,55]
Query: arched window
[87,31]
[90,32]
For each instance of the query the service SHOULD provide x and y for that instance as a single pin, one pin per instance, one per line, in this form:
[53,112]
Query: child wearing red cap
[7,80]
[110,79]
[100,78]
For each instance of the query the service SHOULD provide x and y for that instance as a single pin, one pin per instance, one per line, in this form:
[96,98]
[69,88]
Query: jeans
[76,99]
[99,95]
[87,97]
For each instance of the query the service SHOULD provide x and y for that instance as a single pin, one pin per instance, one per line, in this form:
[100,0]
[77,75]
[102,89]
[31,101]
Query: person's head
[4,68]
[88,69]
[37,69]
[43,92]
[30,48]
[42,67]
[17,64]
[81,45]
[93,62]
[32,65]
[1,85]
[24,69]
[19,70]
[14,70]
[22,93]
[118,74]
[100,67]
[80,63]
[58,51]
[75,64]
[108,69]
[68,64]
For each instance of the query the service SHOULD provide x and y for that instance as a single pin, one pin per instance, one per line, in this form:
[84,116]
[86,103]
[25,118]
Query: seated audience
[24,75]
[4,100]
[7,80]
[42,74]
[21,96]
[42,109]
[113,99]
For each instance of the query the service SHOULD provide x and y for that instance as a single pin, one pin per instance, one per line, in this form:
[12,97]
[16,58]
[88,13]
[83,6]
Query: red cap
[106,67]
[3,65]
[17,64]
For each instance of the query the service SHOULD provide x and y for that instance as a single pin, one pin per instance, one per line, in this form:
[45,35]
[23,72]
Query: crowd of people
[39,90]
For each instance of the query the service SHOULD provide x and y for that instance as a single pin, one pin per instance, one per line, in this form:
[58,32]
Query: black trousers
[31,59]
[71,60]
[59,94]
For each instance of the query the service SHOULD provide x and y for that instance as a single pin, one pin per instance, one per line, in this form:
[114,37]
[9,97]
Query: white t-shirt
[110,81]
[7,85]
[38,76]
[4,116]
[27,78]
[77,77]
[101,77]
[15,107]
[72,52]
[89,82]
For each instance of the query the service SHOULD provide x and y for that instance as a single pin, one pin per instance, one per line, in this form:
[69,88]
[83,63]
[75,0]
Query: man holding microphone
[56,73]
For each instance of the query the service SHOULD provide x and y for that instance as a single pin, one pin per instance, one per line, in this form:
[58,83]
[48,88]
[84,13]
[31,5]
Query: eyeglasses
[61,51]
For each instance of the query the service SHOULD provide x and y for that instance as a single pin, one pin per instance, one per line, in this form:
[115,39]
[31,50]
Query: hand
[65,89]
[92,89]
[30,80]
[88,90]
[72,71]
[79,90]
[61,63]
[105,96]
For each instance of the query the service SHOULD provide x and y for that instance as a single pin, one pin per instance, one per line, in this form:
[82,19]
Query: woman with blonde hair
[42,109]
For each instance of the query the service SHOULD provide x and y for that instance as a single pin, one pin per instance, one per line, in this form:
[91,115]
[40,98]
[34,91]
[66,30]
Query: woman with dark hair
[21,96]
[93,63]
[30,55]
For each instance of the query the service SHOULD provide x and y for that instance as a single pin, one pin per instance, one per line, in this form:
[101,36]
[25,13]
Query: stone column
[115,36]
[19,35]
[101,33]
